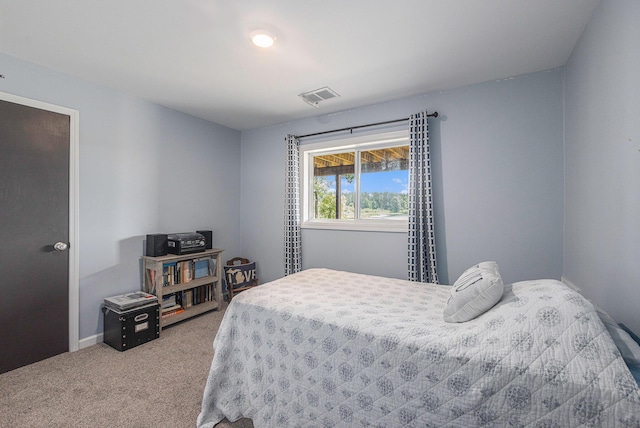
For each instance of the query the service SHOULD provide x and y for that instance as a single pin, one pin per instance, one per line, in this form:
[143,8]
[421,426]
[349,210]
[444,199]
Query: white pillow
[477,290]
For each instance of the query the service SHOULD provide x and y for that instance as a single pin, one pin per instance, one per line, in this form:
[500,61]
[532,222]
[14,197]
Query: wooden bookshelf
[179,279]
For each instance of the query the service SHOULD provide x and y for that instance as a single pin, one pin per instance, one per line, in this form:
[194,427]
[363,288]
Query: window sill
[399,226]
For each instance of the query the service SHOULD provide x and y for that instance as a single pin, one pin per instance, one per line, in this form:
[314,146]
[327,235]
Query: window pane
[324,198]
[384,181]
[347,186]
[334,174]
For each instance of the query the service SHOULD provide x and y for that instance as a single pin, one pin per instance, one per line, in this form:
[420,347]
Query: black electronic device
[156,245]
[185,243]
[127,329]
[208,238]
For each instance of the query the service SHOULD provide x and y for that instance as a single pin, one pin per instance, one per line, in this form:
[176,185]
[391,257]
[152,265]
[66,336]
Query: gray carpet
[156,384]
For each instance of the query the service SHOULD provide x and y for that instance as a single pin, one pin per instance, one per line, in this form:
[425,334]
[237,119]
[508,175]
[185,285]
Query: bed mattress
[328,348]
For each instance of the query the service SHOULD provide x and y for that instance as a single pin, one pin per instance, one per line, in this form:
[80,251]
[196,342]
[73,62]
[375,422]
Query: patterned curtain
[422,242]
[292,236]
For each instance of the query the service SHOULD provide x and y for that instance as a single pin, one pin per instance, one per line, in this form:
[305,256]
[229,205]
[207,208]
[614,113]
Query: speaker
[156,245]
[208,238]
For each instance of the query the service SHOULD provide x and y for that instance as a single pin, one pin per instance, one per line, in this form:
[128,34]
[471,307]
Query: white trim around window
[363,142]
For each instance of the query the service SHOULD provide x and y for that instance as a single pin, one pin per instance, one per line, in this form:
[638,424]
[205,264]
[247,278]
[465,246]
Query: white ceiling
[195,56]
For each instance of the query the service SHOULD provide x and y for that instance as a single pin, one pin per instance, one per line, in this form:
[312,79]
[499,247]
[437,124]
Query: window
[358,183]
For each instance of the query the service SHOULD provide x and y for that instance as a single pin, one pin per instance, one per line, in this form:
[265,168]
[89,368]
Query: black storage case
[127,329]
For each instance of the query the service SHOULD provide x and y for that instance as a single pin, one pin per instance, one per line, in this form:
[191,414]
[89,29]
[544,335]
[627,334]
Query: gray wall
[602,149]
[143,169]
[498,172]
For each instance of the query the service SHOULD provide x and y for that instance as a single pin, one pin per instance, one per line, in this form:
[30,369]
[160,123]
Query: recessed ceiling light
[262,38]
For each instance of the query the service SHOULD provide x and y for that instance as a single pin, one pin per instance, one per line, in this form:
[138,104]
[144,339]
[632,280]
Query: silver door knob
[60,246]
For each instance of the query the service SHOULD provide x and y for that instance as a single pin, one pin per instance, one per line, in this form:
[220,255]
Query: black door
[34,216]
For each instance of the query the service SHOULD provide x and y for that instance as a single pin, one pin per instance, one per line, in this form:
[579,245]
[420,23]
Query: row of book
[170,305]
[176,303]
[182,272]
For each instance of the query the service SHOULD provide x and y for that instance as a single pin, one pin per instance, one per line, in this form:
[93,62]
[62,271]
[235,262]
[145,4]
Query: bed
[329,348]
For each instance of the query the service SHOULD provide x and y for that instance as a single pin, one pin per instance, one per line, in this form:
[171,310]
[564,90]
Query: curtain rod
[351,128]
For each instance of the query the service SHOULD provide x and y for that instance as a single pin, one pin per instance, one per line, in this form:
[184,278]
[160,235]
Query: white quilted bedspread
[323,348]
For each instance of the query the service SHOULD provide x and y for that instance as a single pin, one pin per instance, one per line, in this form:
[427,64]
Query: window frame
[340,145]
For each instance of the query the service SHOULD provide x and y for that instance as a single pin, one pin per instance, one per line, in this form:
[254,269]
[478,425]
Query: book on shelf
[171,308]
[188,298]
[176,311]
[182,272]
[186,271]
[169,300]
[201,267]
[169,274]
[201,294]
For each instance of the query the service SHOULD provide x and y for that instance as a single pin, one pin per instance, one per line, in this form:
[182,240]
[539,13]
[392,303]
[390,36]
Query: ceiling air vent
[314,97]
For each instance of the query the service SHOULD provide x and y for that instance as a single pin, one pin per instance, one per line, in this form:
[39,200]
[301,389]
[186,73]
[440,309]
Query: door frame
[74,148]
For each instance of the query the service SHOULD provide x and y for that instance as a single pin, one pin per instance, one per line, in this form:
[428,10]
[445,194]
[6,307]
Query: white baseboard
[91,340]
[571,284]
